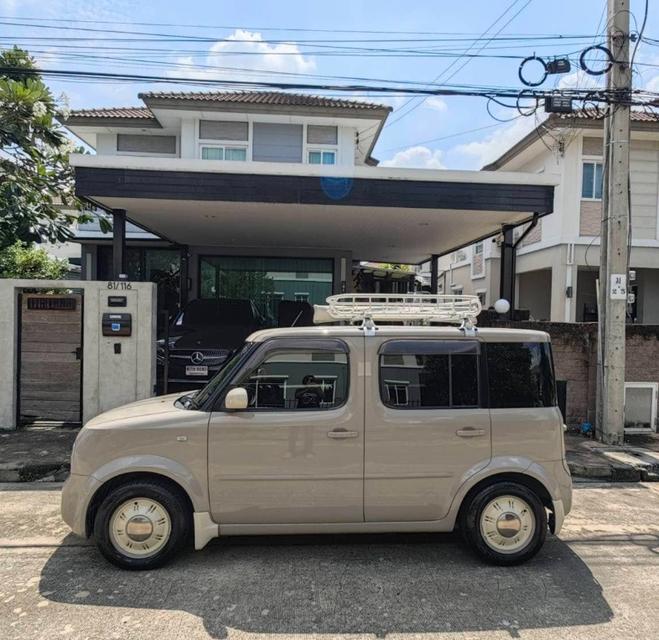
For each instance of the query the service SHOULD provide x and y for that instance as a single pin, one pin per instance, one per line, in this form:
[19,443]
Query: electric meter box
[117,324]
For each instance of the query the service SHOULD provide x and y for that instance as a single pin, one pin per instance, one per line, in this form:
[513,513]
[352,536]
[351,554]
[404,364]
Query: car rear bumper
[558,517]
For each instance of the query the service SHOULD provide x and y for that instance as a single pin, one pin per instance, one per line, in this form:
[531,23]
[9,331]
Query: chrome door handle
[342,434]
[470,432]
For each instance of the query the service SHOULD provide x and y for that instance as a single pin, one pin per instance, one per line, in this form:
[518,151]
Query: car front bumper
[77,493]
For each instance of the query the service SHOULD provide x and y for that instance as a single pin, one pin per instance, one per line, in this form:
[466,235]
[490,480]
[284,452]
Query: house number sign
[120,285]
[618,290]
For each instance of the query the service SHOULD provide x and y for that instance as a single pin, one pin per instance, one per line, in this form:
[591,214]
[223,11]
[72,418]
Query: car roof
[485,334]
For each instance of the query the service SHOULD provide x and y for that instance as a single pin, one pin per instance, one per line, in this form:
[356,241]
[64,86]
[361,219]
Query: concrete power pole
[614,261]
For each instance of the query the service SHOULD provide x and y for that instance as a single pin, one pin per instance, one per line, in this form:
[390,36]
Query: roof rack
[396,307]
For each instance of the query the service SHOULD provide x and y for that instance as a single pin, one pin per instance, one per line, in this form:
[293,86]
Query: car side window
[298,379]
[429,374]
[520,375]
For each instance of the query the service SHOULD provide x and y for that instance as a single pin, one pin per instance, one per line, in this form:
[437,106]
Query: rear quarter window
[520,375]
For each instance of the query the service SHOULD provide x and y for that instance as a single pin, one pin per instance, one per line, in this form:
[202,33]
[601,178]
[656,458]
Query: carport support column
[507,280]
[118,242]
[434,273]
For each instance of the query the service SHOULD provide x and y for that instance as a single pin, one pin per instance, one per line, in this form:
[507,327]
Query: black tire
[471,518]
[171,500]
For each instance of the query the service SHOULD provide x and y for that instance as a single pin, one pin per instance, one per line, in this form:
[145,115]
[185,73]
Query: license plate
[196,370]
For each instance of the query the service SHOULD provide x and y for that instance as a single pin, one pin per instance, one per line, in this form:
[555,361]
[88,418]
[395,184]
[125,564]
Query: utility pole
[614,259]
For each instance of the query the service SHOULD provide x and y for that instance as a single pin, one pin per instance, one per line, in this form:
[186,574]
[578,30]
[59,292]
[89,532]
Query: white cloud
[242,55]
[436,103]
[653,84]
[495,144]
[580,80]
[417,158]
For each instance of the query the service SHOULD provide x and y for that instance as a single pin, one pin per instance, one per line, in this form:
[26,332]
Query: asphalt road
[600,580]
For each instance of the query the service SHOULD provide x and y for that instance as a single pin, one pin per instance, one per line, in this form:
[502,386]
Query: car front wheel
[505,523]
[141,525]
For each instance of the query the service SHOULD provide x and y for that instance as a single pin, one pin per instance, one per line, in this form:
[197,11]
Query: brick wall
[574,346]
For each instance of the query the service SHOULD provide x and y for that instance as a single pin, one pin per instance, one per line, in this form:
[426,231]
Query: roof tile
[114,112]
[263,97]
[649,115]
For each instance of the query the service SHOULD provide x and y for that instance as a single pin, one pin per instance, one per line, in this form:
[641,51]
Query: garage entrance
[50,358]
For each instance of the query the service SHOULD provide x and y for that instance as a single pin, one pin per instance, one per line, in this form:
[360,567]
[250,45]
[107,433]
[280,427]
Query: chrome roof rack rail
[396,307]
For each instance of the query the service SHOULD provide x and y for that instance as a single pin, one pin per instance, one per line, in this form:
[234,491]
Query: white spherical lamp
[502,306]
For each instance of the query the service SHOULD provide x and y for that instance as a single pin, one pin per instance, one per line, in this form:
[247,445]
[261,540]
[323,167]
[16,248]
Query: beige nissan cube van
[330,429]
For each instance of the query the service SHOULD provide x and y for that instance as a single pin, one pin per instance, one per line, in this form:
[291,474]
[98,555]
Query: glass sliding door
[266,281]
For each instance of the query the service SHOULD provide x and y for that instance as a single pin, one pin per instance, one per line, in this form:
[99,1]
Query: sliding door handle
[342,434]
[470,432]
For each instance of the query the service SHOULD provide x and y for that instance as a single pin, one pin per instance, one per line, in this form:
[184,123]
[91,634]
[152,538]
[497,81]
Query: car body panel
[278,471]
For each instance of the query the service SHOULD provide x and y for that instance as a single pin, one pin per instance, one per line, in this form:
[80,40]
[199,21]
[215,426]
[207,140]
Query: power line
[288,28]
[457,90]
[416,106]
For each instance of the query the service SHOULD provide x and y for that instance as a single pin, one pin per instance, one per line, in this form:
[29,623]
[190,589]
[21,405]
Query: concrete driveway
[600,580]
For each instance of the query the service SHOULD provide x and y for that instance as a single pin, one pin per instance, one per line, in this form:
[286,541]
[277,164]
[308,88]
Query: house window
[591,181]
[266,281]
[322,141]
[478,262]
[145,144]
[458,256]
[301,297]
[317,156]
[217,152]
[218,139]
[482,297]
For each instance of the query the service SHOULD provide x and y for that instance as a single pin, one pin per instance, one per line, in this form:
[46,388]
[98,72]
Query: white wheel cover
[140,528]
[507,524]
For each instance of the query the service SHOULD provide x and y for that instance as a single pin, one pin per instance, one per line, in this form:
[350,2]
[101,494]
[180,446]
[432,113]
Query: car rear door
[427,428]
[296,454]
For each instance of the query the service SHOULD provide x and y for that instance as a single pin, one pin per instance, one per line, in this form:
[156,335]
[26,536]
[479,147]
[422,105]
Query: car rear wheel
[505,523]
[141,525]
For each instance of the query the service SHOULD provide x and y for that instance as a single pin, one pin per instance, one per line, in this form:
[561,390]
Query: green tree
[20,261]
[37,200]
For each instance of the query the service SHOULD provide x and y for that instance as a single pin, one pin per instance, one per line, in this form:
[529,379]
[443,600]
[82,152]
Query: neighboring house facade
[271,196]
[557,262]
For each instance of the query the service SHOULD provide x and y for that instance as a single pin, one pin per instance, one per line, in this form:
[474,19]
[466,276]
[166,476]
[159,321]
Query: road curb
[42,471]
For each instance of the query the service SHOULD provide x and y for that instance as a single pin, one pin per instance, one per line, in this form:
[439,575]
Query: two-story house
[558,261]
[272,196]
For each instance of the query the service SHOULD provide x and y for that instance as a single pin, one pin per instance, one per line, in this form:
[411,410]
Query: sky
[452,132]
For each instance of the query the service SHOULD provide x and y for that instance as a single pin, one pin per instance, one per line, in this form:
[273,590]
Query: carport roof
[377,213]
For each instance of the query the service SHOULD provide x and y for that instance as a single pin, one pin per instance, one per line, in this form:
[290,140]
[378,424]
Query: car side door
[427,426]
[296,453]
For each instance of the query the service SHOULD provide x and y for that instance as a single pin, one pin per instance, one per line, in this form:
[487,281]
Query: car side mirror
[236,399]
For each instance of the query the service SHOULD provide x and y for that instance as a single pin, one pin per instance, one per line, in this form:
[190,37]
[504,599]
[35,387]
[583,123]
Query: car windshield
[202,313]
[219,378]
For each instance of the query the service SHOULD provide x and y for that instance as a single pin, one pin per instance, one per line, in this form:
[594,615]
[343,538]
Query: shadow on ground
[341,584]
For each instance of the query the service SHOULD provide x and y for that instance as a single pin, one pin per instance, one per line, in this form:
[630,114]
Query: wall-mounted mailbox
[117,301]
[117,324]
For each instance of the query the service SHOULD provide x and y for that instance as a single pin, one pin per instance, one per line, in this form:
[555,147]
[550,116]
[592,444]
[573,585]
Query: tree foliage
[37,200]
[20,261]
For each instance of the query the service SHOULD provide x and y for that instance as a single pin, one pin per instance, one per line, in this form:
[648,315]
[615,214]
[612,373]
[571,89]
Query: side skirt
[444,525]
